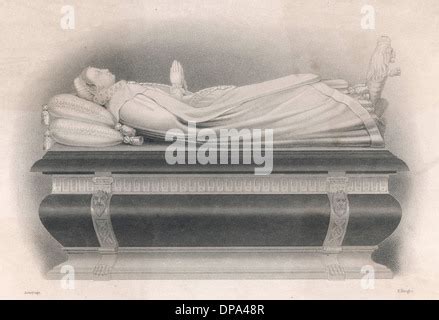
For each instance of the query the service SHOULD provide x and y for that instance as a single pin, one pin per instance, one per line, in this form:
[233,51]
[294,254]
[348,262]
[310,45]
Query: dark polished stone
[219,220]
[149,160]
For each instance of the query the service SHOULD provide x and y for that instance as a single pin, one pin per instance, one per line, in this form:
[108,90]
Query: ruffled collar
[104,96]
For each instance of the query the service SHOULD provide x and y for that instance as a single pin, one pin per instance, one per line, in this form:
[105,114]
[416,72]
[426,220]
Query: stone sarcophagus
[124,213]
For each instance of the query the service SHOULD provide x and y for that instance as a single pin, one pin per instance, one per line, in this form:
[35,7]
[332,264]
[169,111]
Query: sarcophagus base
[123,214]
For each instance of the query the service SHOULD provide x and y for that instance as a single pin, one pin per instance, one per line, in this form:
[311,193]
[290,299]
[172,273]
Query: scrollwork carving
[339,218]
[100,212]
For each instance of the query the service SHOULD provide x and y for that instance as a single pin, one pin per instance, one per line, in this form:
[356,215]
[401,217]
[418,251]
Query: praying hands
[179,86]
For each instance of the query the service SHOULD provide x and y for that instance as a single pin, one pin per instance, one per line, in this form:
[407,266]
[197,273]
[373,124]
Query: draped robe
[302,111]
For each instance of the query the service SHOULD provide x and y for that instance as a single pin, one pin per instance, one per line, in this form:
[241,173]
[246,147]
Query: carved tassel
[125,130]
[135,141]
[48,142]
[45,116]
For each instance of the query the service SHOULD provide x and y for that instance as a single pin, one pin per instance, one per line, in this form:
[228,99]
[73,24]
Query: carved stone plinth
[124,213]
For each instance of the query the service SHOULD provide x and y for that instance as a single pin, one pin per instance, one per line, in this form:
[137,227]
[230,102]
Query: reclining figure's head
[92,80]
